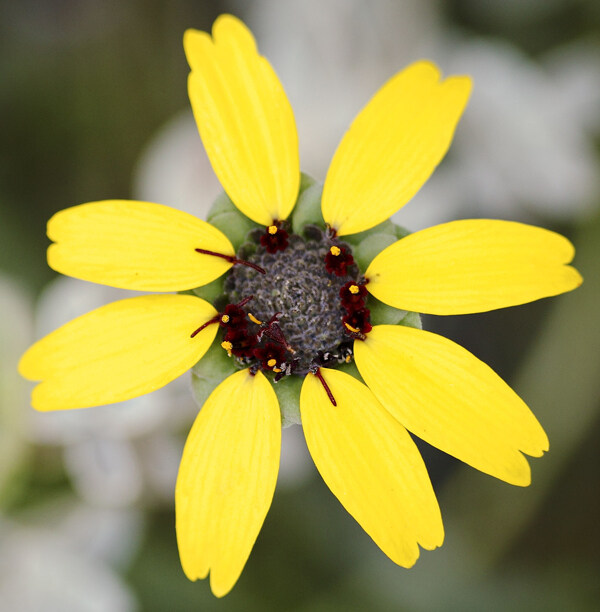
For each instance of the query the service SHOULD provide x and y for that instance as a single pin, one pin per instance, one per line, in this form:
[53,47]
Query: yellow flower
[415,380]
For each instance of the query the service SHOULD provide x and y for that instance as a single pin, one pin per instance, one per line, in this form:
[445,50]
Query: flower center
[297,308]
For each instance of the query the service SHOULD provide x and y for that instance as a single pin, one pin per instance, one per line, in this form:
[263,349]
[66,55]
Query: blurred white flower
[523,148]
[67,566]
[104,446]
[174,169]
[331,57]
[575,68]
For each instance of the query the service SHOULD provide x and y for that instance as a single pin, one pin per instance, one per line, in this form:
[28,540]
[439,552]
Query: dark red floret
[357,322]
[243,343]
[274,239]
[271,356]
[353,299]
[337,261]
[233,317]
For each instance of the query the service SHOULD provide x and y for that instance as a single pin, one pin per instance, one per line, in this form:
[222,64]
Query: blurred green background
[93,105]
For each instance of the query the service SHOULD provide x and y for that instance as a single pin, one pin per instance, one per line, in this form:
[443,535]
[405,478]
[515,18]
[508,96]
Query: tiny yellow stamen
[335,251]
[354,289]
[352,329]
[225,318]
[272,362]
[272,230]
[254,319]
[227,346]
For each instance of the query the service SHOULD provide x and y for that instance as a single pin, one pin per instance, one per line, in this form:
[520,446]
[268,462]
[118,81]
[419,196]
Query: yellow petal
[245,120]
[371,465]
[119,351]
[472,266]
[227,478]
[136,245]
[392,147]
[452,400]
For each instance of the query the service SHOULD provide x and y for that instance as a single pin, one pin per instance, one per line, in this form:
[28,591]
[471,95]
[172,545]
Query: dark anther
[331,232]
[337,260]
[287,368]
[325,357]
[231,259]
[271,356]
[266,327]
[346,352]
[318,374]
[357,323]
[275,238]
[353,296]
[272,330]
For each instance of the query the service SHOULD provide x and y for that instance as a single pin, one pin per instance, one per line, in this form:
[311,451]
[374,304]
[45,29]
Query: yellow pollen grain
[225,318]
[276,370]
[354,289]
[272,229]
[335,251]
[227,346]
[254,319]
[352,329]
[272,362]
[348,358]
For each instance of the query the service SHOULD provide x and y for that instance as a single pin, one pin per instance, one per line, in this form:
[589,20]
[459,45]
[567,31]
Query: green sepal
[222,204]
[305,182]
[400,231]
[308,209]
[234,225]
[211,292]
[385,227]
[350,368]
[371,246]
[382,314]
[412,319]
[288,395]
[211,371]
[224,215]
